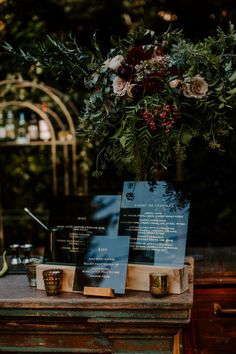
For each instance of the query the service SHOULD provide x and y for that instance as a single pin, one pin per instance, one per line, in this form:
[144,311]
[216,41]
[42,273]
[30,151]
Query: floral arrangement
[154,94]
[151,95]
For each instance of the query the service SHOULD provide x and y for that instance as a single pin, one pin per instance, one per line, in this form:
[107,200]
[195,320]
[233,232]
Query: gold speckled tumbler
[158,284]
[53,281]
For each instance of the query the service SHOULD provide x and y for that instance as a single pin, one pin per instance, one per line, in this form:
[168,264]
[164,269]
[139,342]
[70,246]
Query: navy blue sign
[73,217]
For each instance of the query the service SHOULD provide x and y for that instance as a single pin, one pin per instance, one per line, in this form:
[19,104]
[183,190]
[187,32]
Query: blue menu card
[155,215]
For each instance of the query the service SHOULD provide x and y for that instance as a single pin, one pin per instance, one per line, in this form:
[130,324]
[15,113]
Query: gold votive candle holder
[159,286]
[53,281]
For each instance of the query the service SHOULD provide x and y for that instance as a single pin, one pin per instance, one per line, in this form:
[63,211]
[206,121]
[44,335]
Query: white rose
[114,63]
[106,63]
[119,86]
[195,87]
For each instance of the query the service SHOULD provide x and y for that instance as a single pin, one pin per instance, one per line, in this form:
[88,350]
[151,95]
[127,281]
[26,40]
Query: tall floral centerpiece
[150,95]
[153,94]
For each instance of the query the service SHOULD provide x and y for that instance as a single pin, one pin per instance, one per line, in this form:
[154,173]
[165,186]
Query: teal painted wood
[102,316]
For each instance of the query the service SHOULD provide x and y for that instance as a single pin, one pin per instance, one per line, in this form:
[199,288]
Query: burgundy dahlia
[137,54]
[153,85]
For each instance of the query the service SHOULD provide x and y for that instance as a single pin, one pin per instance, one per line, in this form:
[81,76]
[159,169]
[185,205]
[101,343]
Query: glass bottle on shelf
[22,137]
[2,127]
[44,131]
[33,128]
[10,126]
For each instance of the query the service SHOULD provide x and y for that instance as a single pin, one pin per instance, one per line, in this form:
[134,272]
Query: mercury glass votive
[53,281]
[158,284]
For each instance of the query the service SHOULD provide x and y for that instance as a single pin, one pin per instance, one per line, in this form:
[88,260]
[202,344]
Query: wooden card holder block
[138,277]
[95,291]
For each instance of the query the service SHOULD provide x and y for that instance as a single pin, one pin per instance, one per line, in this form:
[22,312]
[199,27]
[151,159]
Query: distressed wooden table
[215,300]
[32,322]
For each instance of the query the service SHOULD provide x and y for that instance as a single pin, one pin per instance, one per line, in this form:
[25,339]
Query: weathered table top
[16,293]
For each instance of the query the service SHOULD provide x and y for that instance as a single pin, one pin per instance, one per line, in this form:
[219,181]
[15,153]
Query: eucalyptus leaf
[123,141]
[233,77]
[232,91]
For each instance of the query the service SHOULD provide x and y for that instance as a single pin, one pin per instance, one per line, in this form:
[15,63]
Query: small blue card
[103,263]
[155,215]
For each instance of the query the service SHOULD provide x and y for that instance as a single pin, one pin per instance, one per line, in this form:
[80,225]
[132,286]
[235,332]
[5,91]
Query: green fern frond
[144,139]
